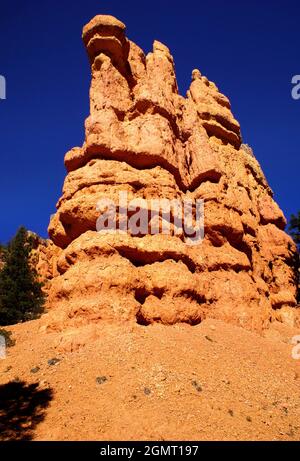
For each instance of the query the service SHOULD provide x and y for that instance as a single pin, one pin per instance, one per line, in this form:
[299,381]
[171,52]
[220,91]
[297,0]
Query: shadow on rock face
[22,408]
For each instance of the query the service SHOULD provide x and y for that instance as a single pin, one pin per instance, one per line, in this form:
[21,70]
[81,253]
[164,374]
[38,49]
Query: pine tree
[294,229]
[21,295]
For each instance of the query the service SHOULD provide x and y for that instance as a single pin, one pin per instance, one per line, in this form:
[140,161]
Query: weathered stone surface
[144,138]
[43,257]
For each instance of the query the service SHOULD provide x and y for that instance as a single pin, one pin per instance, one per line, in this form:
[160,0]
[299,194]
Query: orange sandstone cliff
[144,138]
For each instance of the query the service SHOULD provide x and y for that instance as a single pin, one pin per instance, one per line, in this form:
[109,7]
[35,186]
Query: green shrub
[8,339]
[21,295]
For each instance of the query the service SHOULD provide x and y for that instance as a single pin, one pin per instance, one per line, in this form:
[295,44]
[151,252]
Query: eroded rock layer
[43,258]
[144,138]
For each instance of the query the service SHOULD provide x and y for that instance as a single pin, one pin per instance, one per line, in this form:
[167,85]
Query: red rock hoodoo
[144,138]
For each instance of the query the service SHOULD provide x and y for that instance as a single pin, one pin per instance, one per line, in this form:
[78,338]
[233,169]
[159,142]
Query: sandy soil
[213,381]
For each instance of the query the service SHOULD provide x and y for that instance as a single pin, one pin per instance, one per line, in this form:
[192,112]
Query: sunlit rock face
[144,138]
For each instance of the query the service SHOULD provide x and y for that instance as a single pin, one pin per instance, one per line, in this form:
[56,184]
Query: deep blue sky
[250,49]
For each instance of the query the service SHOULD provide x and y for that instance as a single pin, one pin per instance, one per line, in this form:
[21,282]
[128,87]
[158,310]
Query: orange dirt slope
[212,381]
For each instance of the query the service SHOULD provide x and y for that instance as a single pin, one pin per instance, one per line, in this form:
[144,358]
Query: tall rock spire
[144,138]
